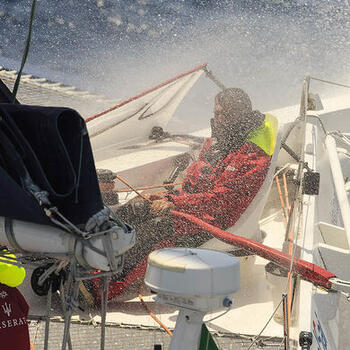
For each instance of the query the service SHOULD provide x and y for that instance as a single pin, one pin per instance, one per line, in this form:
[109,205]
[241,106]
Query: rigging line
[149,187]
[320,121]
[268,321]
[213,78]
[331,82]
[289,232]
[281,199]
[294,155]
[222,314]
[289,278]
[286,191]
[281,343]
[26,50]
[153,315]
[341,137]
[291,250]
[288,165]
[133,188]
[292,247]
[74,229]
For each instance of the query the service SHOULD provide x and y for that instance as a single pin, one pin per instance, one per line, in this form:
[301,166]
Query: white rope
[268,321]
[288,165]
[222,314]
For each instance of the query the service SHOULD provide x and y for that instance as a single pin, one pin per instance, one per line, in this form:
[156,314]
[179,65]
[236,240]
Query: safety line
[331,82]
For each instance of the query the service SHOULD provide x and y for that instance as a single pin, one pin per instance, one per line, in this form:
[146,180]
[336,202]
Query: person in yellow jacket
[14,332]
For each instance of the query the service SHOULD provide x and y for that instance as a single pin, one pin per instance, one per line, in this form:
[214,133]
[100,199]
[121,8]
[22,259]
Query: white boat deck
[146,165]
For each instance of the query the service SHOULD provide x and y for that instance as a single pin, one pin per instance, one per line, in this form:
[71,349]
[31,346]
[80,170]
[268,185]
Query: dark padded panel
[54,146]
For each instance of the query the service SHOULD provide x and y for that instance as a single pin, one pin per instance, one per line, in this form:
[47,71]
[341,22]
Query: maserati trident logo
[3,294]
[7,309]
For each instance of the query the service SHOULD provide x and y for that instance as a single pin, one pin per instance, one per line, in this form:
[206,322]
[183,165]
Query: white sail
[132,120]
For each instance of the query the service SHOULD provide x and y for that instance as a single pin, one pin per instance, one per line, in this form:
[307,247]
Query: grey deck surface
[124,337]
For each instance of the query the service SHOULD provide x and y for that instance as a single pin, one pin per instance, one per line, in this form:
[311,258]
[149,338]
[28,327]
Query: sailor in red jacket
[218,187]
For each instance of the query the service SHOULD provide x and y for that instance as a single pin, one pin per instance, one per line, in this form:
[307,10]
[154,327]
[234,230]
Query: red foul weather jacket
[220,194]
[14,334]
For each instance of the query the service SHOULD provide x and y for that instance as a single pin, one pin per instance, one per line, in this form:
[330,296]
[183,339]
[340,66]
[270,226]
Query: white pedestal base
[187,330]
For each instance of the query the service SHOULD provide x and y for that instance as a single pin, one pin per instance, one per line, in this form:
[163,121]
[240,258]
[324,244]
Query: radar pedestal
[197,282]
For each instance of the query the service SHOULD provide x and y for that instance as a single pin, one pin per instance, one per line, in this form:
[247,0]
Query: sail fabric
[52,146]
[131,121]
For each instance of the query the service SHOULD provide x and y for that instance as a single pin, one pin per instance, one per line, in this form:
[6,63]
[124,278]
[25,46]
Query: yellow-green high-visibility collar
[265,136]
[11,275]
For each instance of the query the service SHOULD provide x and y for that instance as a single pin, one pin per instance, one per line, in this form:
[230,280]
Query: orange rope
[290,238]
[286,191]
[149,187]
[281,199]
[290,252]
[133,188]
[140,295]
[32,346]
[153,315]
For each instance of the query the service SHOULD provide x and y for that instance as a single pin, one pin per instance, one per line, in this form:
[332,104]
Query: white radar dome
[199,279]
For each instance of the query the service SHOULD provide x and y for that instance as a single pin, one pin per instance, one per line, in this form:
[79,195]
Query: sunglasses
[224,116]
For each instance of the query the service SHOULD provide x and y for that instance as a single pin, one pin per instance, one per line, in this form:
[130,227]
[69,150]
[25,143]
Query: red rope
[310,272]
[145,92]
